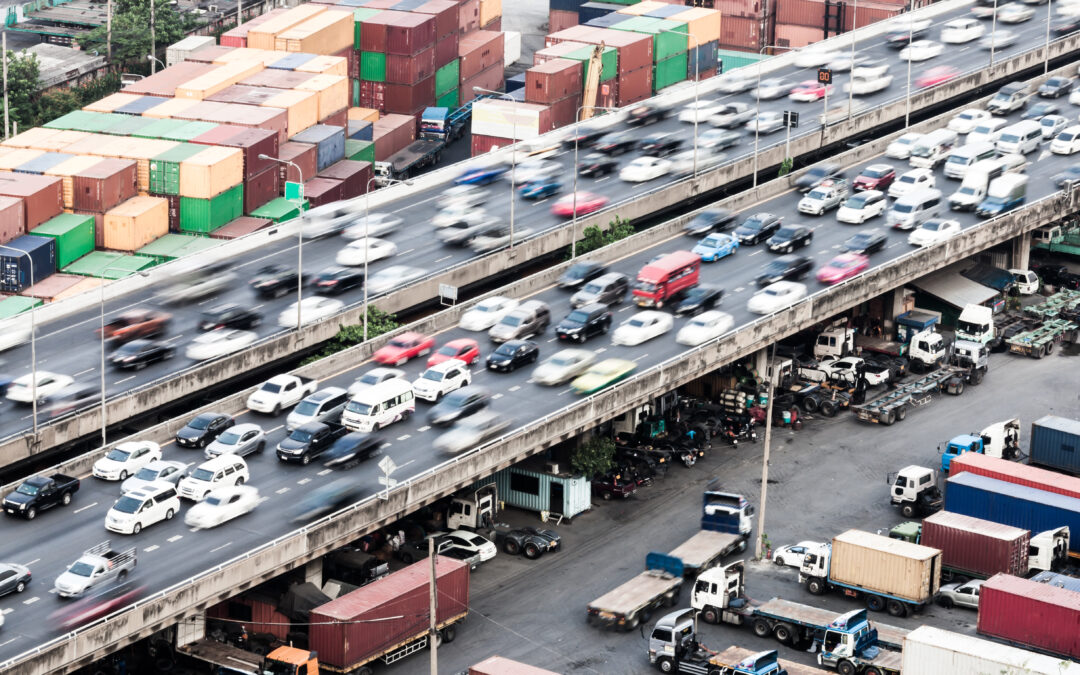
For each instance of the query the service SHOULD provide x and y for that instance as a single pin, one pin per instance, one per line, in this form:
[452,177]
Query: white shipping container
[511,47]
[180,51]
[501,118]
[932,650]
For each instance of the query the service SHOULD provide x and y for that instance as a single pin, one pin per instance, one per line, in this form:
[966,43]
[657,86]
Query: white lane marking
[281,491]
[404,438]
[151,549]
[553,339]
[601,350]
[256,308]
[564,391]
[52,590]
[823,251]
[88,506]
[31,600]
[444,258]
[215,550]
[412,204]
[385,445]
[8,642]
[303,481]
[175,538]
[756,253]
[124,380]
[270,431]
[496,396]
[739,289]
[625,309]
[175,337]
[424,428]
[31,562]
[406,252]
[515,387]
[84,372]
[638,358]
[324,472]
[7,611]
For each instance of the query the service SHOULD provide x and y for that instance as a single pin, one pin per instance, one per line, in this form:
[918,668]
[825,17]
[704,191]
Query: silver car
[157,471]
[240,440]
[960,595]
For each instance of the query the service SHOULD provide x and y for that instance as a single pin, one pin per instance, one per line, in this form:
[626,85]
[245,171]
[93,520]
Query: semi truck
[1054,443]
[924,349]
[439,127]
[1001,440]
[914,489]
[933,650]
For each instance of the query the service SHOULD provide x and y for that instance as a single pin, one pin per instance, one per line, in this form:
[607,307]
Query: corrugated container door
[975,546]
[886,565]
[165,168]
[1055,443]
[12,219]
[203,216]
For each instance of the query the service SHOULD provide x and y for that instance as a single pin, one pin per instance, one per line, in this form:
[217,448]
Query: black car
[616,143]
[699,299]
[1066,26]
[531,541]
[229,316]
[581,273]
[757,228]
[458,404]
[138,354]
[335,280]
[308,441]
[710,220]
[1069,175]
[513,354]
[1058,276]
[785,267]
[1041,110]
[1056,87]
[660,145]
[817,175]
[199,432]
[584,322]
[790,237]
[647,113]
[274,281]
[351,449]
[585,138]
[866,242]
[593,165]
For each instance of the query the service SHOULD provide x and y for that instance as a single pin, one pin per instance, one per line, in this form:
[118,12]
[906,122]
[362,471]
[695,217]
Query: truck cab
[674,648]
[914,489]
[716,588]
[976,324]
[849,639]
[1000,440]
[726,512]
[1049,551]
[290,661]
[473,511]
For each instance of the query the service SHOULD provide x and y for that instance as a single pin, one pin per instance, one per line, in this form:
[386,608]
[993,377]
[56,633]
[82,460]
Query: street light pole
[851,70]
[910,39]
[33,327]
[154,60]
[367,244]
[1046,51]
[104,425]
[697,83]
[573,214]
[993,31]
[765,459]
[299,239]
[757,106]
[513,153]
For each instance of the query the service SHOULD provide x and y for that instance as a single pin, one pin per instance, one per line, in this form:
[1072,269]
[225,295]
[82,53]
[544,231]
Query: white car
[12,335]
[808,57]
[468,195]
[862,206]
[441,379]
[704,327]
[862,86]
[369,250]
[1067,141]
[921,50]
[934,231]
[373,225]
[870,68]
[792,555]
[563,366]
[1074,99]
[312,309]
[910,181]
[965,121]
[486,313]
[766,122]
[1015,13]
[1027,282]
[1052,125]
[775,297]
[988,131]
[126,459]
[472,542]
[770,89]
[470,432]
[641,327]
[221,505]
[158,471]
[373,377]
[392,277]
[219,343]
[644,169]
[999,39]
[21,389]
[959,31]
[536,169]
[735,82]
[901,147]
[459,212]
[699,111]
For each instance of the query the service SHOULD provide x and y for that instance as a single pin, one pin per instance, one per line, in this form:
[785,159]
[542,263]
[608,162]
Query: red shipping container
[105,185]
[482,144]
[800,13]
[635,85]
[240,227]
[391,133]
[252,142]
[607,95]
[337,119]
[552,81]
[354,64]
[739,32]
[494,25]
[99,225]
[976,547]
[373,30]
[12,218]
[478,52]
[499,665]
[870,12]
[796,37]
[1016,473]
[561,19]
[261,189]
[373,95]
[165,82]
[320,191]
[258,612]
[1025,612]
[564,112]
[446,50]
[446,16]
[635,50]
[341,630]
[354,176]
[468,16]
[492,79]
[218,134]
[410,69]
[303,155]
[707,74]
[738,7]
[42,196]
[409,99]
[410,34]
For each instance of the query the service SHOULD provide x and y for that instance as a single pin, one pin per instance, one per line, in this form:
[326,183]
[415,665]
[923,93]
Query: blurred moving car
[136,323]
[311,309]
[327,499]
[704,327]
[198,284]
[471,432]
[368,249]
[463,349]
[486,313]
[162,471]
[842,267]
[373,225]
[275,281]
[582,202]
[229,316]
[334,280]
[222,505]
[403,347]
[603,374]
[389,278]
[139,354]
[775,297]
[22,389]
[93,607]
[219,343]
[563,366]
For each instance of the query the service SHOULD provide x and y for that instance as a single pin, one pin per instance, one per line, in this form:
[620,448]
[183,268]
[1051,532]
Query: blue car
[482,176]
[540,189]
[716,246]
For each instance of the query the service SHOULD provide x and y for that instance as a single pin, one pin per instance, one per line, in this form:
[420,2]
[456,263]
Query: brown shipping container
[392,133]
[261,189]
[564,112]
[492,79]
[165,82]
[42,196]
[976,547]
[320,191]
[373,95]
[552,81]
[51,286]
[634,49]
[354,176]
[12,218]
[482,144]
[739,32]
[494,25]
[210,54]
[410,69]
[65,170]
[337,119]
[1022,611]
[237,37]
[635,85]
[262,609]
[374,29]
[104,185]
[174,211]
[871,12]
[801,13]
[468,16]
[354,65]
[738,7]
[240,227]
[409,99]
[796,37]
[478,52]
[410,34]
[498,665]
[446,50]
[561,19]
[303,155]
[341,630]
[136,223]
[886,565]
[446,16]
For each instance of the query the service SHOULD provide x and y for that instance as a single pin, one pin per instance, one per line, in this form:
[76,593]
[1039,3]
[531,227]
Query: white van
[962,158]
[976,181]
[324,405]
[987,131]
[213,473]
[1021,138]
[912,210]
[141,508]
[378,406]
[932,149]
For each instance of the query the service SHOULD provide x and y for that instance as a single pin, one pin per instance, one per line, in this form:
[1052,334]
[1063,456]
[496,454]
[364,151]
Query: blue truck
[439,127]
[1000,440]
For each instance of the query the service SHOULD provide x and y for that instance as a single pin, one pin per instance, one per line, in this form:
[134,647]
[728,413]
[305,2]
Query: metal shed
[535,489]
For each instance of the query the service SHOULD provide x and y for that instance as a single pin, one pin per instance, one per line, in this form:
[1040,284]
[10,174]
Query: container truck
[888,574]
[1031,615]
[975,548]
[1001,440]
[439,127]
[1055,443]
[932,650]
[626,606]
[1059,580]
[706,548]
[1019,474]
[726,512]
[914,489]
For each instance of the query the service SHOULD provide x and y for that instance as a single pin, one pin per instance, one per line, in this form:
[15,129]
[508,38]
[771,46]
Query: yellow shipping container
[66,169]
[333,91]
[641,8]
[111,102]
[217,79]
[211,172]
[31,138]
[325,65]
[327,33]
[168,109]
[885,565]
[263,56]
[702,24]
[302,108]
[87,284]
[59,142]
[18,157]
[489,11]
[136,223]
[264,36]
[364,114]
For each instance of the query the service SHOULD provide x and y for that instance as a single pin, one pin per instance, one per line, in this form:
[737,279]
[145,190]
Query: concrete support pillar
[191,630]
[896,306]
[1021,251]
[761,362]
[313,572]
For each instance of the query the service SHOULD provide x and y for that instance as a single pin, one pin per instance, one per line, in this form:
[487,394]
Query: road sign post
[388,467]
[294,191]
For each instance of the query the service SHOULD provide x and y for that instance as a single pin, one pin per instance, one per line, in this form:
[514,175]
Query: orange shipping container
[136,223]
[65,170]
[364,114]
[218,79]
[333,91]
[87,284]
[325,65]
[702,24]
[111,102]
[489,11]
[170,108]
[59,142]
[17,157]
[266,34]
[31,138]
[327,33]
[302,108]
[788,35]
[211,172]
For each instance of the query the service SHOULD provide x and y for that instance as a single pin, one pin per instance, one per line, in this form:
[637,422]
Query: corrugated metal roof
[985,528]
[986,650]
[1050,594]
[893,546]
[1024,492]
[955,289]
[353,605]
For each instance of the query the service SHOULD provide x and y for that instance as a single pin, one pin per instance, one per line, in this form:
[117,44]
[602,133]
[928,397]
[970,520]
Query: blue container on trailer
[140,105]
[1017,505]
[514,83]
[329,142]
[292,61]
[30,253]
[360,130]
[43,163]
[1055,443]
[608,21]
[595,10]
[1059,580]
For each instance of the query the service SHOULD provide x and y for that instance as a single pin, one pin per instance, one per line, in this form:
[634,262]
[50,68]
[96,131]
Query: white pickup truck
[280,392]
[97,565]
[845,371]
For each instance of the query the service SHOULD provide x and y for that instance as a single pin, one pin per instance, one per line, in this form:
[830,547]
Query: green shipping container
[373,66]
[165,168]
[279,210]
[132,124]
[735,59]
[17,304]
[669,71]
[448,100]
[669,37]
[189,131]
[74,235]
[108,265]
[84,120]
[609,61]
[359,14]
[199,245]
[446,78]
[206,215]
[356,93]
[166,248]
[361,151]
[159,128]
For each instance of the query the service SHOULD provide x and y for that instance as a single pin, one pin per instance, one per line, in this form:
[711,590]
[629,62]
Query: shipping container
[490,10]
[107,265]
[974,547]
[363,114]
[52,288]
[12,219]
[131,126]
[594,10]
[558,51]
[490,79]
[451,99]
[468,16]
[303,155]
[336,119]
[446,50]
[735,7]
[702,60]
[179,52]
[373,30]
[211,172]
[1059,580]
[410,34]
[31,138]
[481,144]
[373,66]
[933,650]
[883,565]
[332,90]
[498,665]
[81,120]
[16,305]
[252,143]
[325,64]
[360,151]
[240,227]
[641,8]
[74,235]
[609,21]
[44,162]
[42,196]
[188,132]
[478,52]
[609,61]
[1038,616]
[1009,504]
[217,79]
[12,158]
[445,13]
[326,33]
[741,33]
[259,610]
[165,168]
[866,13]
[411,99]
[174,211]
[447,78]
[277,211]
[635,85]
[564,112]
[322,191]
[1013,472]
[410,69]
[669,37]
[354,177]
[169,109]
[203,216]
[277,79]
[541,491]
[166,248]
[110,103]
[261,188]
[665,12]
[797,37]
[670,71]
[373,95]
[210,54]
[498,118]
[135,223]
[164,82]
[561,19]
[553,81]
[635,50]
[237,37]
[357,130]
[1055,443]
[329,142]
[703,25]
[139,105]
[339,630]
[391,134]
[264,35]
[25,261]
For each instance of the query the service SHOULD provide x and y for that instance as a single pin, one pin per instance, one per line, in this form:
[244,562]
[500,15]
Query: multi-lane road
[69,346]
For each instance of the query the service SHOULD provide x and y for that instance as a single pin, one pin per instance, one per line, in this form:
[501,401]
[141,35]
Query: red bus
[666,277]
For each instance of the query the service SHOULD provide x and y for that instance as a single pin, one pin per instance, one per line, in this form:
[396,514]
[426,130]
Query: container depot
[211,172]
[885,565]
[105,184]
[1013,472]
[264,36]
[1055,443]
[66,170]
[1030,614]
[74,235]
[329,143]
[12,218]
[42,196]
[975,547]
[25,261]
[932,650]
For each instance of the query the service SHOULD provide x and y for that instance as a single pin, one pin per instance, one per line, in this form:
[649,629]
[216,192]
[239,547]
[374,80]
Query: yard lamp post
[299,238]
[367,244]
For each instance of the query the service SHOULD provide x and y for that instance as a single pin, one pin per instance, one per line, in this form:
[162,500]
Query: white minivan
[914,209]
[380,405]
[962,158]
[932,149]
[213,473]
[1020,138]
[141,508]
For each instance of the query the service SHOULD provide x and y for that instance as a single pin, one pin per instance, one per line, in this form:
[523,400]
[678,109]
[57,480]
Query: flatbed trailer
[733,655]
[1038,342]
[632,602]
[705,548]
[439,127]
[794,623]
[1064,301]
[229,660]
[893,406]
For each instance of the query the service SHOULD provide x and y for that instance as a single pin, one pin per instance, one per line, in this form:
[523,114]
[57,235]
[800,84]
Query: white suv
[213,473]
[140,508]
[441,379]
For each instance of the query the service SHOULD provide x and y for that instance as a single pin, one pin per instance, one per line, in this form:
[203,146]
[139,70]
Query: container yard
[1050,615]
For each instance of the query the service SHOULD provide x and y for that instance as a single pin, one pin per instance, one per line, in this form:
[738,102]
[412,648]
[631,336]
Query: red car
[587,202]
[404,347]
[464,350]
[809,91]
[843,266]
[94,607]
[935,76]
[875,177]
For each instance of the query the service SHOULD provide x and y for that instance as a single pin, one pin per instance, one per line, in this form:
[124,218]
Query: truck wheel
[449,633]
[671,599]
[31,513]
[762,628]
[120,577]
[976,377]
[66,499]
[872,671]
[511,547]
[897,608]
[959,388]
[783,633]
[901,413]
[815,586]
[532,551]
[666,666]
[407,558]
[711,615]
[364,670]
[875,603]
[810,404]
[607,496]
[828,409]
[1050,347]
[845,668]
[889,418]
[907,510]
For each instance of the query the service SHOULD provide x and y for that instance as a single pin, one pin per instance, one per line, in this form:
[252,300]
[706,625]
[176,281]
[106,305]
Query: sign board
[387,465]
[294,191]
[447,294]
[824,75]
[791,119]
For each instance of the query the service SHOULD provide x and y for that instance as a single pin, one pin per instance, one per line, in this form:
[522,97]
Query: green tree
[593,457]
[593,237]
[23,71]
[131,30]
[379,322]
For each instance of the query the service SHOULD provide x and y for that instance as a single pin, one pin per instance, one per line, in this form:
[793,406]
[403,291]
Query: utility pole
[153,38]
[239,12]
[765,460]
[4,49]
[108,31]
[433,639]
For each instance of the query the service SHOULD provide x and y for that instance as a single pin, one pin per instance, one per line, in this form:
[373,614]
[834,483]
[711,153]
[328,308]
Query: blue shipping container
[540,491]
[360,130]
[595,10]
[566,5]
[701,59]
[32,259]
[1055,443]
[329,141]
[516,82]
[141,105]
[1059,580]
[292,61]
[43,163]
[666,11]
[608,21]
[1009,504]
